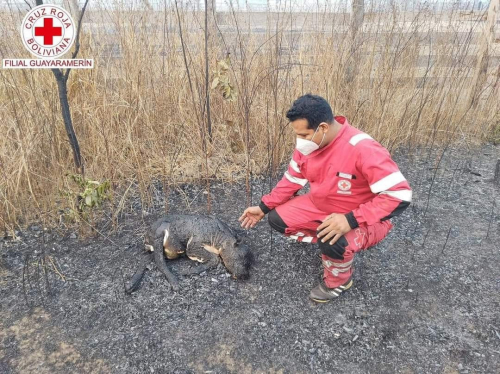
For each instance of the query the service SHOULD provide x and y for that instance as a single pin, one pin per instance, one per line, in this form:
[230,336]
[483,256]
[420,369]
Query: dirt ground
[425,300]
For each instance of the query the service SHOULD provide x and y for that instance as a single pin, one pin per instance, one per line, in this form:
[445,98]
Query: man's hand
[334,226]
[251,216]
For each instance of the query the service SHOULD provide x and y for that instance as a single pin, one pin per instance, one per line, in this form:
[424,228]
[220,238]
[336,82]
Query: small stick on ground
[493,206]
[57,271]
[26,279]
[496,175]
[446,241]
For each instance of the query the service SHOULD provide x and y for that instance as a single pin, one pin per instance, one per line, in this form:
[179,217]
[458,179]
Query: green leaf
[223,65]
[88,200]
[215,83]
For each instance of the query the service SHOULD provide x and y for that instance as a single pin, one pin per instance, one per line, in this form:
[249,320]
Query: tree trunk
[211,6]
[68,123]
[62,88]
[482,63]
[209,16]
[357,17]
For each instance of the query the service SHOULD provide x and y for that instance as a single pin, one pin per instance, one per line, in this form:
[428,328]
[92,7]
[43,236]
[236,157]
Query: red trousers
[302,218]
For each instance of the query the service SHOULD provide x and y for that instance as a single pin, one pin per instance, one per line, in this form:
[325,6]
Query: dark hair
[313,108]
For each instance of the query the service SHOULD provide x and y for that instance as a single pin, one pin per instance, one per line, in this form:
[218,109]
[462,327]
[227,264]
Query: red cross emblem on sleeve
[344,185]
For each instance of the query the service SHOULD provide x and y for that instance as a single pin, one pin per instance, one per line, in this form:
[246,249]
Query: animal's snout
[238,260]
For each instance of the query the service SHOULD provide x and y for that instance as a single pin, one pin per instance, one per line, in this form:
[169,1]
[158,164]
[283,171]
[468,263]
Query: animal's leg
[212,262]
[160,263]
[139,274]
[172,246]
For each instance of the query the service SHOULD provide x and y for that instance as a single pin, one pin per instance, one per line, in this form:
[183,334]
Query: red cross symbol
[48,31]
[344,185]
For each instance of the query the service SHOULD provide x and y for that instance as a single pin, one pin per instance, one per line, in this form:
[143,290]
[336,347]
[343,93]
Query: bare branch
[189,75]
[58,73]
[77,41]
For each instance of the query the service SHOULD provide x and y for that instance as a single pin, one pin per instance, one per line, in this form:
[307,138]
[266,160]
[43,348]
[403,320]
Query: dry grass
[136,122]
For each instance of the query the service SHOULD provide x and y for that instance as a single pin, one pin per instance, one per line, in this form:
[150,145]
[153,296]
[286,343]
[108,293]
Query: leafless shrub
[141,113]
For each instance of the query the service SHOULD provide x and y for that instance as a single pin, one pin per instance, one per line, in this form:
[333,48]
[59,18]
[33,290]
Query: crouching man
[355,188]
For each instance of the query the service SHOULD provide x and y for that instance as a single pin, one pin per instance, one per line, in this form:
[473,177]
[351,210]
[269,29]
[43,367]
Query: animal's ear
[240,233]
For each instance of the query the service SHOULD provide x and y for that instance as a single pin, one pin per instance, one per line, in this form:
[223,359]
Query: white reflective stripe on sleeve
[307,239]
[295,166]
[387,182]
[294,237]
[357,138]
[404,195]
[293,179]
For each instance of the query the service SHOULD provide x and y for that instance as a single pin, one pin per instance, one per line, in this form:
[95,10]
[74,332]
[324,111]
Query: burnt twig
[446,241]
[26,279]
[493,205]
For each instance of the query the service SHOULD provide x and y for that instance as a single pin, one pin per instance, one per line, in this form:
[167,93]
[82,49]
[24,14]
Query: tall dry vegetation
[140,116]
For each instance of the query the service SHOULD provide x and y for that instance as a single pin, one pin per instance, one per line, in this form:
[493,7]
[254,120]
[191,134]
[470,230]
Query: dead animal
[205,239]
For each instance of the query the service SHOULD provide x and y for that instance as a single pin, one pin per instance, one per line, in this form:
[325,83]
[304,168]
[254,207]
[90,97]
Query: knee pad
[276,222]
[336,250]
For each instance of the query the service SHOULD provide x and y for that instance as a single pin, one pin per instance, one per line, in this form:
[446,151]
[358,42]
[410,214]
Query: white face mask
[306,147]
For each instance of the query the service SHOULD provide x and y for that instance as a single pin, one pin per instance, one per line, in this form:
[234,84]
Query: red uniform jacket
[353,175]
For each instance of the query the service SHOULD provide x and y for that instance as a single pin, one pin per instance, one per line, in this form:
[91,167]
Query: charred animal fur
[205,239]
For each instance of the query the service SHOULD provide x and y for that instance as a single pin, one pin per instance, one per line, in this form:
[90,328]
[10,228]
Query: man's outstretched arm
[292,181]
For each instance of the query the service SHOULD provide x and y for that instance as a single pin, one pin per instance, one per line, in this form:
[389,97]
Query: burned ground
[425,300]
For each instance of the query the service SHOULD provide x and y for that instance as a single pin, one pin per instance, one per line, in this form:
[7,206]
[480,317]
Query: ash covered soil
[425,300]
